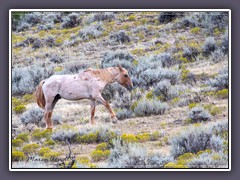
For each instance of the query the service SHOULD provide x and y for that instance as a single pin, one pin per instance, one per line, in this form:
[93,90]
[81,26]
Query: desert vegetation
[176,116]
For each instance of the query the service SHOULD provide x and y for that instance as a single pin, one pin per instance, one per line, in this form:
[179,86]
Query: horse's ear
[120,67]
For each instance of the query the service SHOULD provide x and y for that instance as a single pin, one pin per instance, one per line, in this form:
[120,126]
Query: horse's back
[54,82]
[58,79]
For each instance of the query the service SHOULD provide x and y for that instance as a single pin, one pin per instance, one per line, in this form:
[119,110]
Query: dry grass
[206,67]
[77,113]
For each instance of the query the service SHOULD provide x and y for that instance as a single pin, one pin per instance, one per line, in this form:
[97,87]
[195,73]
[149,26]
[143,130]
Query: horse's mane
[104,74]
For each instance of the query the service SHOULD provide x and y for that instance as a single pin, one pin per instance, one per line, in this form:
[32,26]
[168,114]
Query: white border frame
[116,10]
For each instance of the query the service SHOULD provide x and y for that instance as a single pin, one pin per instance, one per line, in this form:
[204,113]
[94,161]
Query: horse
[87,84]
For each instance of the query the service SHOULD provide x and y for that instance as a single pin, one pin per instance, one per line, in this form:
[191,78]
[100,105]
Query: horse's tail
[40,96]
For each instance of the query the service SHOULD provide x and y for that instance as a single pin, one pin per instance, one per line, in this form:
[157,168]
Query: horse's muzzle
[129,87]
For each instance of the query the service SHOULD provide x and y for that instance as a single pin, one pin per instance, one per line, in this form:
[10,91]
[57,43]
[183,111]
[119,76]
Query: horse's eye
[125,75]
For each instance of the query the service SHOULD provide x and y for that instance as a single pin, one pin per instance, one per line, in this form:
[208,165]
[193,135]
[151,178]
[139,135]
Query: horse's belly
[75,92]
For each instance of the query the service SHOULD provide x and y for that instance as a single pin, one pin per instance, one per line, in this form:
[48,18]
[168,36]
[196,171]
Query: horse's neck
[107,75]
[111,75]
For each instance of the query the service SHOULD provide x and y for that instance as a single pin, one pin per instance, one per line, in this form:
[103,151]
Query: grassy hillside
[175,117]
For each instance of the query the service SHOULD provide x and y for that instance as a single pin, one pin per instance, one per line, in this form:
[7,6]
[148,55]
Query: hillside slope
[175,117]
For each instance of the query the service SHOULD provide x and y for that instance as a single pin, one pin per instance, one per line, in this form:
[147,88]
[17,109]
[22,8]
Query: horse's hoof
[93,122]
[114,120]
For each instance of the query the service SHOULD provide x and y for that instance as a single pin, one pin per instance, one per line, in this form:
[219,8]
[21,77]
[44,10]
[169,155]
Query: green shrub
[222,94]
[149,95]
[166,140]
[19,109]
[58,69]
[214,110]
[183,59]
[83,160]
[134,105]
[17,142]
[23,136]
[21,102]
[103,146]
[28,98]
[135,62]
[195,30]
[139,52]
[59,41]
[38,134]
[30,148]
[92,165]
[140,35]
[224,134]
[132,18]
[185,158]
[130,138]
[51,154]
[143,137]
[109,136]
[216,31]
[49,142]
[185,74]
[174,165]
[205,151]
[163,125]
[43,151]
[175,100]
[192,105]
[88,138]
[18,156]
[98,155]
[216,157]
[16,102]
[225,147]
[143,21]
[154,136]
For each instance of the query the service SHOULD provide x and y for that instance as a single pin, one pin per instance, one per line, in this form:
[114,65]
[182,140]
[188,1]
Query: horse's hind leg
[47,117]
[48,111]
[93,107]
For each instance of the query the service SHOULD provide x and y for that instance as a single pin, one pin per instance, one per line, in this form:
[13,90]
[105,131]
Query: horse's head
[124,79]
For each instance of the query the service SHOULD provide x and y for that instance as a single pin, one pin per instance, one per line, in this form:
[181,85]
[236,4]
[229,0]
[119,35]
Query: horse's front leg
[107,105]
[93,106]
